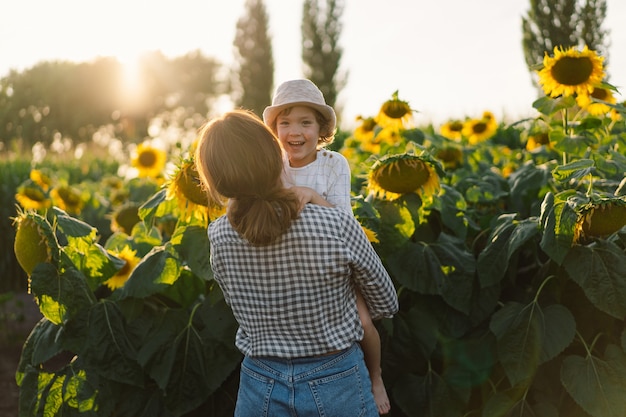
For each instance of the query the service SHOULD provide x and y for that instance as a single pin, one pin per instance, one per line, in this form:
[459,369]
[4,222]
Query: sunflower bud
[34,241]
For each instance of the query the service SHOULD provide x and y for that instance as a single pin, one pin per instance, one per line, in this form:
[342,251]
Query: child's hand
[308,195]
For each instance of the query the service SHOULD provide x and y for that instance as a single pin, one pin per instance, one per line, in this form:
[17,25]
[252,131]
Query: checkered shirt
[295,298]
[329,175]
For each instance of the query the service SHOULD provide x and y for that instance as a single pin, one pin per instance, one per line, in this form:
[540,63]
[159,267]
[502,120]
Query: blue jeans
[336,385]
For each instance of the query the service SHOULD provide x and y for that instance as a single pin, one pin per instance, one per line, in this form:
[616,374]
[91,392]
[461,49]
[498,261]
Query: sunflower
[452,129]
[479,130]
[395,175]
[41,179]
[31,196]
[571,72]
[125,217]
[600,218]
[537,140]
[450,156]
[371,235]
[35,241]
[67,198]
[193,201]
[594,107]
[150,161]
[366,130]
[395,113]
[131,260]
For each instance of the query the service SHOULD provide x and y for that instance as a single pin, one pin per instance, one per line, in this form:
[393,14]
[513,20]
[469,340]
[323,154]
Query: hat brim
[271,113]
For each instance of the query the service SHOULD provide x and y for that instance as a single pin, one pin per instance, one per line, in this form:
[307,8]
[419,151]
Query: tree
[321,52]
[74,99]
[256,63]
[565,23]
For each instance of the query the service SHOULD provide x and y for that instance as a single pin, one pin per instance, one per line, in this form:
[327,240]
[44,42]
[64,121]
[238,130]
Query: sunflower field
[506,244]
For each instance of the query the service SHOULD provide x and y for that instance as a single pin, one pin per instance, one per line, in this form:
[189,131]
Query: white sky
[447,58]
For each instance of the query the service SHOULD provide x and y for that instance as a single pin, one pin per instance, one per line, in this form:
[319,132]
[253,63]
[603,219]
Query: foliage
[255,59]
[563,23]
[509,270]
[321,53]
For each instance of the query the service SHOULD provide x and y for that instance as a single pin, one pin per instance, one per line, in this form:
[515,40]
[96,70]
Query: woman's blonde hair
[239,158]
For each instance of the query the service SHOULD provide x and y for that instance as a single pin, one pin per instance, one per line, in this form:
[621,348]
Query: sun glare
[132,85]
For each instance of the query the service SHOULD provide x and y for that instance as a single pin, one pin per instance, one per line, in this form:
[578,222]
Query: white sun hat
[301,92]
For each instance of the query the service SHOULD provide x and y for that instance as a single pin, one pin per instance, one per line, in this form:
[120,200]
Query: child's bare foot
[380,395]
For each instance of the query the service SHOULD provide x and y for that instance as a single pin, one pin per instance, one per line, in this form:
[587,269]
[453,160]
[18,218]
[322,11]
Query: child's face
[299,132]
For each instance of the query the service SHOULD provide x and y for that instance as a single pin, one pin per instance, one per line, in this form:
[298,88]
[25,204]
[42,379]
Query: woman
[289,273]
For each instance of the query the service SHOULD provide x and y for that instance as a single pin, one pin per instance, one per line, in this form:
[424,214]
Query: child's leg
[371,353]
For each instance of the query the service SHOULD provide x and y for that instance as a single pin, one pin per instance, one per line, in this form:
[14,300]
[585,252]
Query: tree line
[73,99]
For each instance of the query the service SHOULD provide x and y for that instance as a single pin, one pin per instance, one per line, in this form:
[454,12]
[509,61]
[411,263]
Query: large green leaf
[443,268]
[416,332]
[72,227]
[514,403]
[157,270]
[529,335]
[427,395]
[469,361]
[109,349]
[597,384]
[558,222]
[60,295]
[192,242]
[508,236]
[574,170]
[600,269]
[452,206]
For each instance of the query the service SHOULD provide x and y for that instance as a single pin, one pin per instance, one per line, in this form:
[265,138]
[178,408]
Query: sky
[448,58]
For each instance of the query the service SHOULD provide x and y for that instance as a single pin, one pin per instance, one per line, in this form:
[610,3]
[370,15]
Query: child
[304,124]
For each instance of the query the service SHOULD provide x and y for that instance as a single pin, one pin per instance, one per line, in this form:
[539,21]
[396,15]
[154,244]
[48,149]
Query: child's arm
[309,195]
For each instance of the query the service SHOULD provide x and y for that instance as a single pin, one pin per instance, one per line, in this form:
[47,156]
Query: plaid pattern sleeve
[296,298]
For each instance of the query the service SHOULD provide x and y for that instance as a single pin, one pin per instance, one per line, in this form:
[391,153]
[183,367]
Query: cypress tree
[255,59]
[321,52]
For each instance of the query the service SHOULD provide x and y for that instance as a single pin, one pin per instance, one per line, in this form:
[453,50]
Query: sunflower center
[189,184]
[600,94]
[479,127]
[396,109]
[572,70]
[147,159]
[34,194]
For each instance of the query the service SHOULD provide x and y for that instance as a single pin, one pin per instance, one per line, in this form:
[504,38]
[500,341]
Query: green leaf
[574,145]
[73,227]
[529,335]
[186,289]
[600,269]
[150,208]
[597,384]
[60,296]
[157,270]
[558,222]
[507,237]
[443,268]
[416,329]
[192,243]
[574,170]
[109,348]
[469,360]
[514,402]
[427,395]
[452,206]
